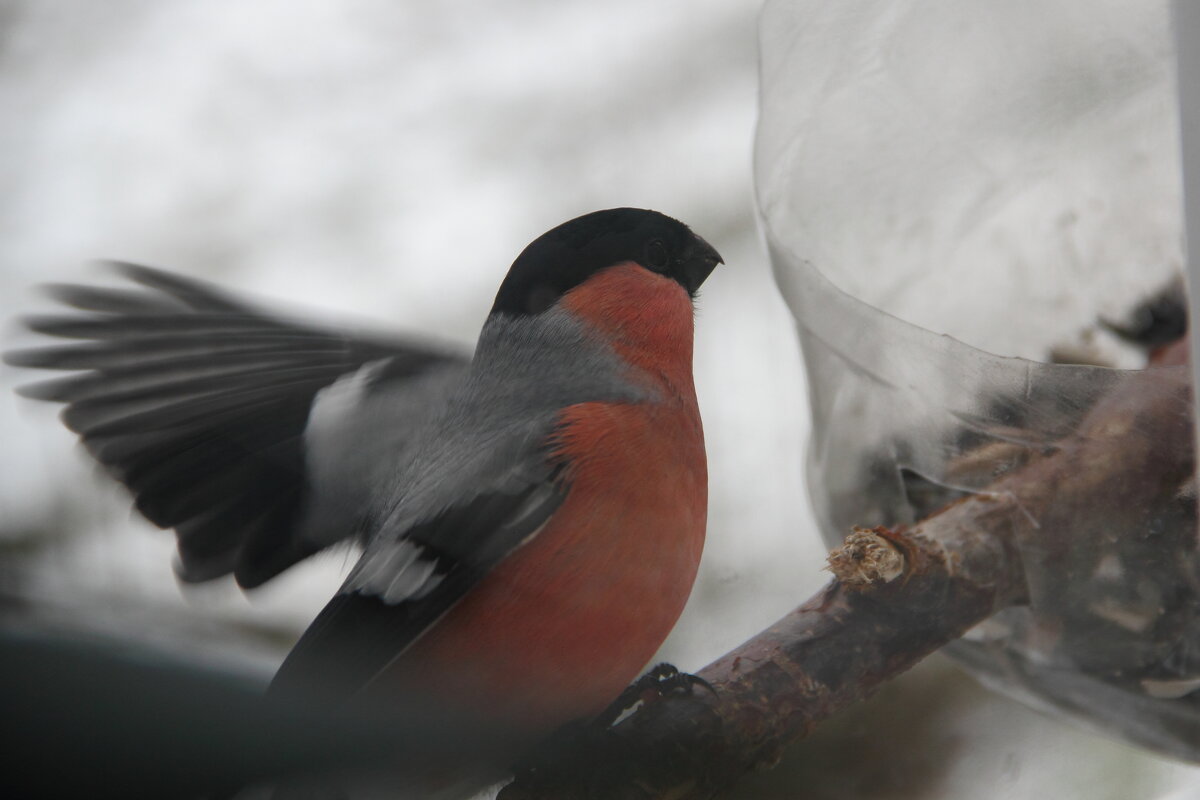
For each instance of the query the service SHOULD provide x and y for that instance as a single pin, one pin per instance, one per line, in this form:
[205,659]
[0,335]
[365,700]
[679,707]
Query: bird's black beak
[697,263]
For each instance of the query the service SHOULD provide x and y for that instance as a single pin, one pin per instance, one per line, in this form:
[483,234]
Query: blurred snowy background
[385,162]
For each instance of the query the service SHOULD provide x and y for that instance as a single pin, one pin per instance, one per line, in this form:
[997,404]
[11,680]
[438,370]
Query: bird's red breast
[559,627]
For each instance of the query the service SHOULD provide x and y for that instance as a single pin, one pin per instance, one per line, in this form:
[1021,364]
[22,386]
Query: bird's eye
[656,255]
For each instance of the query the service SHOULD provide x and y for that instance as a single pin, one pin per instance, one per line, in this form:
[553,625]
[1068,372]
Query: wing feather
[402,586]
[198,402]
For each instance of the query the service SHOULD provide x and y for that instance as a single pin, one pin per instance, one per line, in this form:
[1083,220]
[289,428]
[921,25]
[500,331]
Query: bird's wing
[406,580]
[198,402]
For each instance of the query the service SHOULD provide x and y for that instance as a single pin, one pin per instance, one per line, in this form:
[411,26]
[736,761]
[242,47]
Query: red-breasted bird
[531,518]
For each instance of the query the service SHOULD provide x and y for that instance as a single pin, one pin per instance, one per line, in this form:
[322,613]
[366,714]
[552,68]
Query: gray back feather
[491,435]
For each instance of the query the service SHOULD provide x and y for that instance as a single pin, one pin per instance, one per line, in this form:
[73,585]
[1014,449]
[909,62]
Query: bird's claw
[659,682]
[665,679]
[581,744]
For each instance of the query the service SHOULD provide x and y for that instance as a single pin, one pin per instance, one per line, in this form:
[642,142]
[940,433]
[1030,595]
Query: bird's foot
[578,747]
[661,681]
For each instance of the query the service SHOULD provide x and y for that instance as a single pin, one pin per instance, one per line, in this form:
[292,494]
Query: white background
[387,161]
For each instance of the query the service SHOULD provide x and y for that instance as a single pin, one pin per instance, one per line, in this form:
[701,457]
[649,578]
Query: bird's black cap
[566,256]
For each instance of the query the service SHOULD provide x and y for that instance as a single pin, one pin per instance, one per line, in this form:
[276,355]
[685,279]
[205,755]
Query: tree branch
[833,650]
[1042,534]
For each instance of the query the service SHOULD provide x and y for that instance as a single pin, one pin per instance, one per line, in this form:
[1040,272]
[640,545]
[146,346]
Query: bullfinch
[531,518]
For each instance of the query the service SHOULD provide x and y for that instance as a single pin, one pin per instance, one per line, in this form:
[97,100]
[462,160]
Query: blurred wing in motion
[402,586]
[207,409]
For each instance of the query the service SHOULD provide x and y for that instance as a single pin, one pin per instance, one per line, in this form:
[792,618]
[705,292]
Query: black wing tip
[65,293]
[45,391]
[251,574]
[139,273]
[196,293]
[111,301]
[194,571]
[249,570]
[66,326]
[118,265]
[52,357]
[153,277]
[350,640]
[24,357]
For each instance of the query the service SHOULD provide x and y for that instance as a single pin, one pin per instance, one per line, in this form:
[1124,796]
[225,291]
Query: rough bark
[1043,534]
[833,650]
